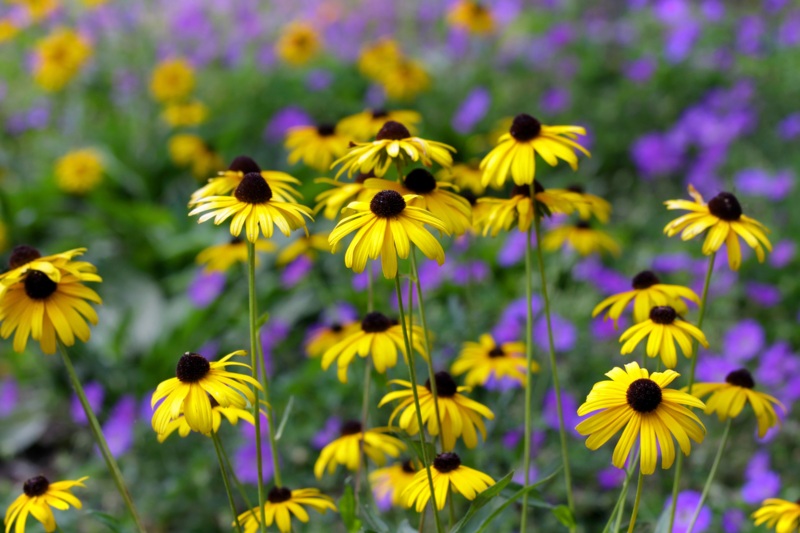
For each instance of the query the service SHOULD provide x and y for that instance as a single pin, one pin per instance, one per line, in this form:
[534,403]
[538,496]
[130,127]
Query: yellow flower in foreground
[298,43]
[281,504]
[515,154]
[405,79]
[37,498]
[447,473]
[172,79]
[79,172]
[221,257]
[185,114]
[320,340]
[728,399]
[581,237]
[280,183]
[389,483]
[648,292]
[233,414]
[387,226]
[725,222]
[664,329]
[641,403]
[333,199]
[366,125]
[188,393]
[303,245]
[472,16]
[59,57]
[347,449]
[488,362]
[24,258]
[460,415]
[376,58]
[782,515]
[316,146]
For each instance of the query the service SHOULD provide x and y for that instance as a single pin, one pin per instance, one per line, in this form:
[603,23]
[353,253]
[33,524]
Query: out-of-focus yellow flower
[59,57]
[187,150]
[475,17]
[37,9]
[191,113]
[8,29]
[91,4]
[79,171]
[405,80]
[298,43]
[172,79]
[376,58]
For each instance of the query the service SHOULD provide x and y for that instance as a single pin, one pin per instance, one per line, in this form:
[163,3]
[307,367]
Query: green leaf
[376,525]
[564,515]
[482,499]
[347,510]
[262,320]
[284,418]
[417,447]
[514,497]
[106,519]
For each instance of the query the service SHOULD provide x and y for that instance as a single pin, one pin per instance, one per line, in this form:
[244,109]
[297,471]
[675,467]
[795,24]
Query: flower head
[466,176]
[471,15]
[591,205]
[323,338]
[347,449]
[487,361]
[37,498]
[330,202]
[231,413]
[220,257]
[303,246]
[581,237]
[281,504]
[298,43]
[185,114]
[59,57]
[664,328]
[172,79]
[404,79]
[447,473]
[366,125]
[316,146]
[501,213]
[280,183]
[782,515]
[389,482]
[377,57]
[188,150]
[79,172]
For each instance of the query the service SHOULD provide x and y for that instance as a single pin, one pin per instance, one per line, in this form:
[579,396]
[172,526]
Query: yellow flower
[298,43]
[728,399]
[346,450]
[79,171]
[59,57]
[306,245]
[391,481]
[24,258]
[472,16]
[220,257]
[375,58]
[648,292]
[38,496]
[582,238]
[516,152]
[325,337]
[782,515]
[172,79]
[664,328]
[447,473]
[486,361]
[8,29]
[333,199]
[723,219]
[281,504]
[591,205]
[393,144]
[387,226]
[179,114]
[460,415]
[197,381]
[465,176]
[233,414]
[280,183]
[378,336]
[317,146]
[649,411]
[404,80]
[37,9]
[190,150]
[366,125]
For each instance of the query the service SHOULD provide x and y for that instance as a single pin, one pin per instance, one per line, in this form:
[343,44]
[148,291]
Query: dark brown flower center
[392,131]
[445,384]
[326,130]
[253,189]
[22,255]
[663,314]
[361,178]
[583,225]
[420,181]
[496,352]
[576,188]
[741,378]
[192,367]
[245,165]
[525,127]
[279,494]
[408,466]
[525,190]
[35,486]
[38,286]
[644,395]
[387,204]
[336,327]
[446,462]
[380,113]
[235,240]
[725,206]
[469,196]
[350,427]
[375,323]
[644,280]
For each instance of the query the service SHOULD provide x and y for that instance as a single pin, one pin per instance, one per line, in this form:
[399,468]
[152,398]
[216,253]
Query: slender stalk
[526,446]
[232,472]
[364,414]
[413,375]
[700,316]
[619,508]
[711,475]
[215,438]
[97,432]
[636,501]
[370,291]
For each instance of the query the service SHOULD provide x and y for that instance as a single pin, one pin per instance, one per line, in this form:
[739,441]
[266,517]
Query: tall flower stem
[97,432]
[412,371]
[223,471]
[636,501]
[364,414]
[232,473]
[526,446]
[619,508]
[700,316]
[711,475]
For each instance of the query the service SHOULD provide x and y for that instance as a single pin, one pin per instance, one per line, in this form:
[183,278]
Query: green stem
[364,414]
[636,501]
[215,438]
[701,315]
[619,508]
[413,375]
[370,291]
[232,472]
[526,447]
[711,475]
[97,432]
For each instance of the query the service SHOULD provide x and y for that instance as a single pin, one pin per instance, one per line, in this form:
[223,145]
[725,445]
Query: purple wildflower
[611,477]
[789,127]
[684,511]
[757,182]
[783,253]
[656,155]
[328,433]
[555,100]
[245,458]
[732,520]
[743,341]
[641,70]
[763,294]
[760,481]
[564,333]
[118,429]
[569,408]
[296,271]
[9,395]
[472,110]
[205,288]
[94,394]
[284,119]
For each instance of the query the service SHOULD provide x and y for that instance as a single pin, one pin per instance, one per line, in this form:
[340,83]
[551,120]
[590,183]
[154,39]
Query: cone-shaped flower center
[279,494]
[350,427]
[375,323]
[38,286]
[22,255]
[446,462]
[326,130]
[576,188]
[725,206]
[525,127]
[192,367]
[741,378]
[35,486]
[445,384]
[420,181]
[336,327]
[582,225]
[379,113]
[525,190]
[645,280]
[387,204]
[644,395]
[496,352]
[245,165]
[253,189]
[392,131]
[235,240]
[469,196]
[408,466]
[663,314]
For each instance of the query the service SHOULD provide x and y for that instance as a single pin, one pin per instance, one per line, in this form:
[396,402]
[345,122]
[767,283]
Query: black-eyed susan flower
[782,515]
[316,146]
[44,298]
[305,245]
[641,403]
[377,57]
[298,43]
[172,79]
[404,79]
[386,226]
[281,504]
[453,210]
[59,57]
[723,218]
[197,381]
[501,214]
[366,125]
[515,154]
[393,143]
[280,183]
[663,329]
[472,16]
[591,205]
[486,362]
[728,399]
[325,337]
[447,473]
[231,413]
[379,337]
[466,176]
[582,238]
[389,482]
[330,202]
[37,498]
[220,257]
[79,171]
[185,114]
[648,292]
[460,416]
[346,450]
[187,150]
